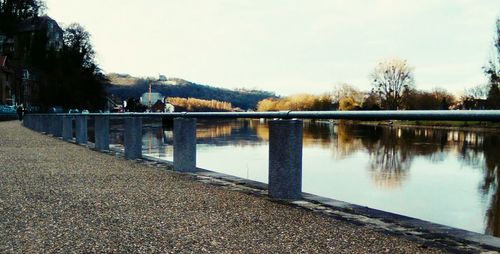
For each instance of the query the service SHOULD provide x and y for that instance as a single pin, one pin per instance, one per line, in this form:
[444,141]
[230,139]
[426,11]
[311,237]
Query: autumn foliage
[192,104]
[300,102]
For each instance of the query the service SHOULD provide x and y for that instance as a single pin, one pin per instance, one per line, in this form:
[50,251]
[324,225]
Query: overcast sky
[288,46]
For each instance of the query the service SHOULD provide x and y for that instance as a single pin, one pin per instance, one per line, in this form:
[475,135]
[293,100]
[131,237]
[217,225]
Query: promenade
[61,197]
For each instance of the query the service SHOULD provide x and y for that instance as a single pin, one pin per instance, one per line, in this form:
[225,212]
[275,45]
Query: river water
[448,177]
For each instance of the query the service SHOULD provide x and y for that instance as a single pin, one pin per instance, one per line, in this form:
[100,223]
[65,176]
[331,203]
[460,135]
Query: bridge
[60,196]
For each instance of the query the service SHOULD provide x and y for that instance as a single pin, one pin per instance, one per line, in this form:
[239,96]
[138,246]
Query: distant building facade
[29,90]
[148,99]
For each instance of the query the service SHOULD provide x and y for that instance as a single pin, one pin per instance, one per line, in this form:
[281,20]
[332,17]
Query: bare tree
[492,70]
[390,79]
[477,92]
[78,44]
[345,90]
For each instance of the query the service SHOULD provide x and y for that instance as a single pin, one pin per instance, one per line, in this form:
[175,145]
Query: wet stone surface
[61,197]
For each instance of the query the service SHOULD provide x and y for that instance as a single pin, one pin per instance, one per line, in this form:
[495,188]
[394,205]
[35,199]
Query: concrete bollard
[81,130]
[58,126]
[45,124]
[38,124]
[53,125]
[101,130]
[25,122]
[67,128]
[285,159]
[133,138]
[29,121]
[185,144]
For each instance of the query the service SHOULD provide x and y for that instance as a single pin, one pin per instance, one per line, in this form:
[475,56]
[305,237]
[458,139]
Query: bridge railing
[285,135]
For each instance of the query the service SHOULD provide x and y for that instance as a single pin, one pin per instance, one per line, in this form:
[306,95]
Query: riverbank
[445,125]
[60,197]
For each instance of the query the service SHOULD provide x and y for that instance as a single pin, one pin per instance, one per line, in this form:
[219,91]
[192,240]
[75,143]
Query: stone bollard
[67,128]
[81,130]
[26,121]
[36,123]
[101,130]
[53,125]
[45,124]
[133,138]
[39,123]
[185,144]
[29,123]
[285,159]
[58,126]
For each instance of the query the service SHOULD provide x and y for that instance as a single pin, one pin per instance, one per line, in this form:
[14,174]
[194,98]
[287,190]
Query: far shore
[445,125]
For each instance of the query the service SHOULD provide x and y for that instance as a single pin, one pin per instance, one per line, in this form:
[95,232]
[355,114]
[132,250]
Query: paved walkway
[60,197]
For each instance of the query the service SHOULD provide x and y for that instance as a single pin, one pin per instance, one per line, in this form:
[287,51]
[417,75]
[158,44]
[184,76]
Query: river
[444,176]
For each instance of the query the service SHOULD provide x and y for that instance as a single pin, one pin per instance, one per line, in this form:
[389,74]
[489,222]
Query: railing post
[185,144]
[29,124]
[101,130]
[52,125]
[40,123]
[45,124]
[58,126]
[26,121]
[37,123]
[285,159]
[67,128]
[81,130]
[133,138]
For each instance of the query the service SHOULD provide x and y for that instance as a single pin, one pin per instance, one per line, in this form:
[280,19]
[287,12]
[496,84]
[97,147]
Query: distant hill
[125,86]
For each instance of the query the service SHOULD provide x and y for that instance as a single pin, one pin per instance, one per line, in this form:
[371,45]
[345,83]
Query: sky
[288,46]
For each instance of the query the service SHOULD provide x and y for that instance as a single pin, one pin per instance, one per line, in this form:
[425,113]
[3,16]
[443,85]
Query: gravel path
[61,197]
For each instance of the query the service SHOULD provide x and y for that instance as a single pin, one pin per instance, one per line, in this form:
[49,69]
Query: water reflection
[481,151]
[387,155]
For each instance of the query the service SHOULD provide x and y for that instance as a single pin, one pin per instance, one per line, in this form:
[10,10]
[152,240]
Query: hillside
[125,86]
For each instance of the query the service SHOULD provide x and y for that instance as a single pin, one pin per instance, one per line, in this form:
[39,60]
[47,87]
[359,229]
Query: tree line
[299,102]
[193,104]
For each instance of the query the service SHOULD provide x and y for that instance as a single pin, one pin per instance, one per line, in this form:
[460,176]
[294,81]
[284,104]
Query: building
[148,99]
[29,90]
[29,31]
[6,82]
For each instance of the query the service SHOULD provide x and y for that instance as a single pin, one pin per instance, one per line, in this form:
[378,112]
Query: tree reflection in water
[481,151]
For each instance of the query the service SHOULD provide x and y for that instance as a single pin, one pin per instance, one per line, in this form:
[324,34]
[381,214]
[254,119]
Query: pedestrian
[20,112]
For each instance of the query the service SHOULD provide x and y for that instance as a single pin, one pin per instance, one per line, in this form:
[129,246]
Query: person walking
[20,112]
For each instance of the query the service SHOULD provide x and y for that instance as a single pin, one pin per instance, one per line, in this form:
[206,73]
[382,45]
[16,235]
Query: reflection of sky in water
[447,177]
